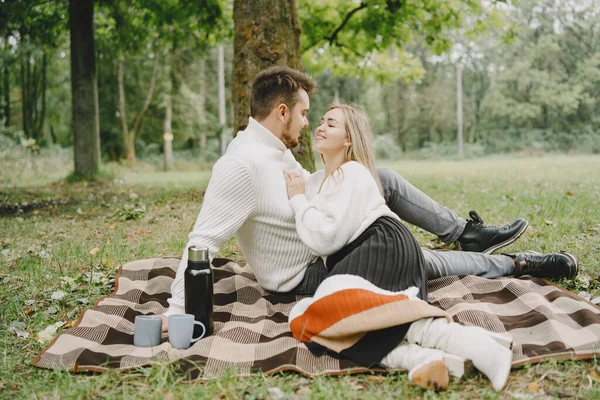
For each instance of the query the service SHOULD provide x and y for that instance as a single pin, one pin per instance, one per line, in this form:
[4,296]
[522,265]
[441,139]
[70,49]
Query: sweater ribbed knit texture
[349,222]
[247,197]
[348,202]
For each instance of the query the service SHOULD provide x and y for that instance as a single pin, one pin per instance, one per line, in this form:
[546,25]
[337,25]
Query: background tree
[266,33]
[35,29]
[86,124]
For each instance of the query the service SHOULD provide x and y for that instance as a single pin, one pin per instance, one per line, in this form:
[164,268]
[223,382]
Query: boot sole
[432,376]
[508,241]
[575,263]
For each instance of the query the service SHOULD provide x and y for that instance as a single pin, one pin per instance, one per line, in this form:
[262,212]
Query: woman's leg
[426,367]
[472,343]
[446,263]
[415,207]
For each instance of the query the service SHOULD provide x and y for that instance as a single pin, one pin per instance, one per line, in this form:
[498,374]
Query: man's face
[296,121]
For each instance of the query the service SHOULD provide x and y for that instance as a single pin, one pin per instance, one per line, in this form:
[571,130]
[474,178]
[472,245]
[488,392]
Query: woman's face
[330,135]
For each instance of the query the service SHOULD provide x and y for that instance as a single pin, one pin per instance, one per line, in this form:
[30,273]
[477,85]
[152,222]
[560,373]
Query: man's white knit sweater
[247,197]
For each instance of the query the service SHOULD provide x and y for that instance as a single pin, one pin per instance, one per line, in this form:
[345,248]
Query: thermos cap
[197,254]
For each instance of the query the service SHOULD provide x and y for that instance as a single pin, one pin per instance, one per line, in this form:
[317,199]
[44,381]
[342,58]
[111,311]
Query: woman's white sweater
[348,202]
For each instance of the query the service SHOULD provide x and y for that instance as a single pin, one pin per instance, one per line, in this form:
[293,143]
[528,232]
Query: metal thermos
[198,282]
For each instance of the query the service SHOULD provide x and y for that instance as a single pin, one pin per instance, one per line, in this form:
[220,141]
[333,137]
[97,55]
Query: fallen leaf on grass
[29,311]
[585,295]
[51,311]
[521,396]
[168,395]
[69,282]
[106,263]
[94,251]
[94,277]
[69,324]
[276,393]
[18,328]
[595,376]
[304,391]
[356,386]
[111,225]
[57,295]
[534,387]
[49,332]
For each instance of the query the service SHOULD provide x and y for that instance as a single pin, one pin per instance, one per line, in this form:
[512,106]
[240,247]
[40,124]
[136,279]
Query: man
[247,196]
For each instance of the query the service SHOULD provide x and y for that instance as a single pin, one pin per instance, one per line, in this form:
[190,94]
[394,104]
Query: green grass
[49,241]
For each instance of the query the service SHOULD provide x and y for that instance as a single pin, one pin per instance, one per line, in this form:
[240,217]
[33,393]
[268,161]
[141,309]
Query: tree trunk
[24,95]
[267,33]
[5,85]
[168,135]
[84,89]
[222,110]
[459,110]
[42,114]
[129,134]
[123,108]
[202,104]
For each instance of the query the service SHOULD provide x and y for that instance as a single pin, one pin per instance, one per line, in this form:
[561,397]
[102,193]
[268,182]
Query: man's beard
[286,136]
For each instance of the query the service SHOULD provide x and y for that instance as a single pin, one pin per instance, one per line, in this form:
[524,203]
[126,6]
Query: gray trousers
[416,208]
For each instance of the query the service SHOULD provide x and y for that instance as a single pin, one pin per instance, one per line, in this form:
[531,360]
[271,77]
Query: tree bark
[266,33]
[459,110]
[202,103]
[2,72]
[84,89]
[6,93]
[168,132]
[25,95]
[123,108]
[38,122]
[222,110]
[129,134]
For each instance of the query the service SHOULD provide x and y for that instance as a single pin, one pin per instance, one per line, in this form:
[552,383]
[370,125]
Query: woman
[342,217]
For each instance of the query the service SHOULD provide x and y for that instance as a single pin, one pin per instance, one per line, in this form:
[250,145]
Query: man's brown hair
[276,85]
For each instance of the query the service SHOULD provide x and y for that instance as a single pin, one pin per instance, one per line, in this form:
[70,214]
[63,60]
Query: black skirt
[386,254]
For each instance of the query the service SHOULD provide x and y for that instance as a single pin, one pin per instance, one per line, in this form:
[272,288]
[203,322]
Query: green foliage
[371,37]
[531,78]
[129,211]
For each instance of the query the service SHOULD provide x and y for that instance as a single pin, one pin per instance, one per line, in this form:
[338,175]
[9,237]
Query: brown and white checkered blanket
[252,332]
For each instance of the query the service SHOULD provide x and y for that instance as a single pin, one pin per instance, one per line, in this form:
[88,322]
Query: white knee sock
[413,357]
[488,356]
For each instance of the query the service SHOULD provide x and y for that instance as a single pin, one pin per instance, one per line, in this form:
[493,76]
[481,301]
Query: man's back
[247,197]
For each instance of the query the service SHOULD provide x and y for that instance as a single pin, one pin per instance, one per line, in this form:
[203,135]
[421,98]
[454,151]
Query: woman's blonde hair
[360,136]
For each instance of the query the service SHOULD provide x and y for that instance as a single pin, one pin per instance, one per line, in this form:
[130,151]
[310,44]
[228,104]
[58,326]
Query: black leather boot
[486,239]
[553,265]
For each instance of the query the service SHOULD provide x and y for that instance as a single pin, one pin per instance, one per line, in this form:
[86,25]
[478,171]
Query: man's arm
[228,202]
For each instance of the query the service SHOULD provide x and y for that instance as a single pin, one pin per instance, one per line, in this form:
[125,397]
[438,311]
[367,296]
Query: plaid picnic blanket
[252,332]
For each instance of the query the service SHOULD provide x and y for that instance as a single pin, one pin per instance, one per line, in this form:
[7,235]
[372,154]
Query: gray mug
[181,330]
[147,330]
